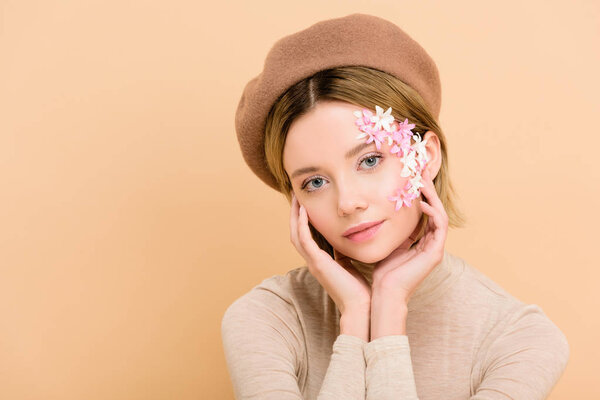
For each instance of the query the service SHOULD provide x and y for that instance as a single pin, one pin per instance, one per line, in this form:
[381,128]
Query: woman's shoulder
[480,288]
[505,313]
[263,326]
[294,284]
[282,294]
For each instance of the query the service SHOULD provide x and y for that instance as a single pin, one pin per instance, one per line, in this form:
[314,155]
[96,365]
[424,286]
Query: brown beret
[356,39]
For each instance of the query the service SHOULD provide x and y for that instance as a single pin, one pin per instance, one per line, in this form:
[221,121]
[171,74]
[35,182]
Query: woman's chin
[370,261]
[371,254]
[367,257]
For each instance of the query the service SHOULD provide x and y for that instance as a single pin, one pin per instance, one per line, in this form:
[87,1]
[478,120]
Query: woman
[348,133]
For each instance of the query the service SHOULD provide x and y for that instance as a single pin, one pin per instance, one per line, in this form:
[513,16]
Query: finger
[428,209]
[294,221]
[429,228]
[428,189]
[433,199]
[305,238]
[436,228]
[295,227]
[434,222]
[428,186]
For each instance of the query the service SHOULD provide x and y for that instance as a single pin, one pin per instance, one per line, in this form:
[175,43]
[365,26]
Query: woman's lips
[365,234]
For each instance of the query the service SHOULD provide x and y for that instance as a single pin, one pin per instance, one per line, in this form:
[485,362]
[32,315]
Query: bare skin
[349,290]
[396,277]
[350,194]
[381,310]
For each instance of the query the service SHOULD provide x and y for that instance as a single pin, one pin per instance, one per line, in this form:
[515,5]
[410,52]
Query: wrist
[355,323]
[388,315]
[383,292]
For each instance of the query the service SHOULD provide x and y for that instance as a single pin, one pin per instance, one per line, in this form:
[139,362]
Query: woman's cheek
[317,220]
[393,182]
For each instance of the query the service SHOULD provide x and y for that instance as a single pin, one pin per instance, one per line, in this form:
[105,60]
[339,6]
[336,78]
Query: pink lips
[365,234]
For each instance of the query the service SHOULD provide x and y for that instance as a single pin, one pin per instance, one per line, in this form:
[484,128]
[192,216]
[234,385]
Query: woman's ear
[434,153]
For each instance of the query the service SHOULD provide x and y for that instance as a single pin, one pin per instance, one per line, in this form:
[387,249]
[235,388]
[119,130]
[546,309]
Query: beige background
[130,220]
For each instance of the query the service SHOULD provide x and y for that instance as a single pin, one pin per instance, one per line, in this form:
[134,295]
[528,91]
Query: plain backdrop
[129,220]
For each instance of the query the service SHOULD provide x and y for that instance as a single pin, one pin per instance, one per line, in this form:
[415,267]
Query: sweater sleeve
[389,372]
[526,360]
[264,352]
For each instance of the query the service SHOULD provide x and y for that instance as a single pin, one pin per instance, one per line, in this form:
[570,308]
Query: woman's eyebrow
[351,153]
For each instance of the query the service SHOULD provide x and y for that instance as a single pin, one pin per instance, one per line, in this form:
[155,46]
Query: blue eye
[371,166]
[369,158]
[314,180]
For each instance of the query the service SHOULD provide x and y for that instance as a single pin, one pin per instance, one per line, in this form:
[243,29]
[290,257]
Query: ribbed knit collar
[434,284]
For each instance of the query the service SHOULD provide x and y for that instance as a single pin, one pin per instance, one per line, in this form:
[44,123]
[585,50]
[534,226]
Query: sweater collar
[438,281]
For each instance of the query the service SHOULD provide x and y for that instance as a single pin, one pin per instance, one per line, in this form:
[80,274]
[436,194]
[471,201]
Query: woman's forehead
[328,127]
[326,134]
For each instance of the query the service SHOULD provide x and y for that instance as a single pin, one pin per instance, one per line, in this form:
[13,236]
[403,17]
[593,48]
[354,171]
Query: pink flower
[396,150]
[373,135]
[403,197]
[363,118]
[402,146]
[406,127]
[402,138]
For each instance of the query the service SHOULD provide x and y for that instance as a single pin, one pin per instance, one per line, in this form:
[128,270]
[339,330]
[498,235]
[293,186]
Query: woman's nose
[349,201]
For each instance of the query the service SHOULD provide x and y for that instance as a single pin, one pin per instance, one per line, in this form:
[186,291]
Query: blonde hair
[364,87]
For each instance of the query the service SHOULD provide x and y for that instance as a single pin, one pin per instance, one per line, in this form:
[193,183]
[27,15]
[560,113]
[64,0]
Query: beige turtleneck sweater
[467,338]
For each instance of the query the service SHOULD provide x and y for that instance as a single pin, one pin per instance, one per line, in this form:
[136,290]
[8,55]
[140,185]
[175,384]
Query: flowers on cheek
[410,164]
[403,196]
[379,127]
[382,119]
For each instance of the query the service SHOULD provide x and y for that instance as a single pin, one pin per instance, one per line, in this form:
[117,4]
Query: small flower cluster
[379,127]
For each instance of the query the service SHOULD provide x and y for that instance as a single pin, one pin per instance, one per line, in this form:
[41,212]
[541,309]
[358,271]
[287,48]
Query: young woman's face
[346,188]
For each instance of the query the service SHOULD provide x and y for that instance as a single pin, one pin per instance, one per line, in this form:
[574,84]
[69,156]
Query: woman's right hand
[345,285]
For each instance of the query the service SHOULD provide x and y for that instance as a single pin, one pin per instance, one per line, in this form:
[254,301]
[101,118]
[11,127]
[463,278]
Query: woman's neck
[366,269]
[440,278]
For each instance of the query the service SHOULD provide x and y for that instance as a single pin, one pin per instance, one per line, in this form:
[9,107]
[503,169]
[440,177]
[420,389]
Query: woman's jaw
[391,234]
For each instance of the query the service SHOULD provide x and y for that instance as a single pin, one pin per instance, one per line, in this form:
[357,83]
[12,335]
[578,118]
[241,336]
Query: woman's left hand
[400,273]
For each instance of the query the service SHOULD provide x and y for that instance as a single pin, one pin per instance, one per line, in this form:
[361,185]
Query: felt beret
[356,39]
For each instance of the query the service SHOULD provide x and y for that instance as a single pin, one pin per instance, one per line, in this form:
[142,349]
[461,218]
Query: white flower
[362,135]
[421,150]
[383,120]
[415,183]
[390,140]
[410,164]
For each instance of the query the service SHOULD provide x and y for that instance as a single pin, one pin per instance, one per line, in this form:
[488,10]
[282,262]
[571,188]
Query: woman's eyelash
[373,155]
